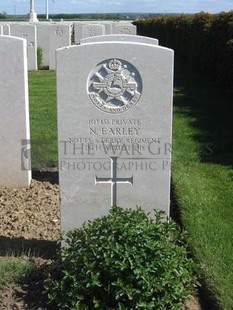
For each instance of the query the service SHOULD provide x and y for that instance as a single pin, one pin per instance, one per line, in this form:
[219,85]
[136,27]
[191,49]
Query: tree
[4,14]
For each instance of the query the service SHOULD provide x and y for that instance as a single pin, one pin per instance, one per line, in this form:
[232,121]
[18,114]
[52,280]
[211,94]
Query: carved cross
[113,180]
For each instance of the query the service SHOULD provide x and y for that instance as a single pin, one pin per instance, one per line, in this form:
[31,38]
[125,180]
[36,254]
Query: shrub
[39,57]
[203,39]
[125,260]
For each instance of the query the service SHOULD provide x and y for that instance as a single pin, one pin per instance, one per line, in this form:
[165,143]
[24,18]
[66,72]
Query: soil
[30,223]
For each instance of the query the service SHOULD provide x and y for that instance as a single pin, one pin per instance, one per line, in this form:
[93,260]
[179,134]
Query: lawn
[202,177]
[43,119]
[201,173]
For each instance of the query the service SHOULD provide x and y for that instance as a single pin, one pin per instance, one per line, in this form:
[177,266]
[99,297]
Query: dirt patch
[9,298]
[30,221]
[30,218]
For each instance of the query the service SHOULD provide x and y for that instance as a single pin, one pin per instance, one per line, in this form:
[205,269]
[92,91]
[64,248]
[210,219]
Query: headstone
[92,30]
[6,29]
[114,128]
[88,30]
[121,28]
[43,41]
[59,36]
[29,33]
[108,27]
[1,30]
[15,170]
[77,32]
[123,37]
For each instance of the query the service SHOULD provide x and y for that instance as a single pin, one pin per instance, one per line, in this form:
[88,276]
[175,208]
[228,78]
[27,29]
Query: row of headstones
[51,36]
[114,124]
[45,36]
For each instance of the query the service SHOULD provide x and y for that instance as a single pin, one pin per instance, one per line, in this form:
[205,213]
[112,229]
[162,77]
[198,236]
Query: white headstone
[124,28]
[87,30]
[108,27]
[92,30]
[6,29]
[43,41]
[114,126]
[15,169]
[59,36]
[78,32]
[29,33]
[123,37]
[1,30]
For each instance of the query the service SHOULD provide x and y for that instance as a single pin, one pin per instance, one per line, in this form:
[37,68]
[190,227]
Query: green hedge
[203,39]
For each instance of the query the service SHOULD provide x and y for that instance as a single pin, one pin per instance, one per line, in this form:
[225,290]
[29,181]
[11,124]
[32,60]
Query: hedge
[204,40]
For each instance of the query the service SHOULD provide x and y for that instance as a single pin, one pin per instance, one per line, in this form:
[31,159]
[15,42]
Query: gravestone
[88,30]
[92,30]
[43,41]
[29,33]
[15,169]
[1,30]
[59,36]
[78,32]
[114,128]
[124,28]
[6,29]
[123,37]
[108,27]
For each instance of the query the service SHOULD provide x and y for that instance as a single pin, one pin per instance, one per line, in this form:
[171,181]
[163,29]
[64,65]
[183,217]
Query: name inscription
[114,127]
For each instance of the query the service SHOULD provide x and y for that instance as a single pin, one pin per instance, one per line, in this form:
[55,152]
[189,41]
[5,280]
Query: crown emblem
[115,64]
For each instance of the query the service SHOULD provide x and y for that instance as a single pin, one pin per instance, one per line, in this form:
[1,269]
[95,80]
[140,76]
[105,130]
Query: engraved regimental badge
[114,86]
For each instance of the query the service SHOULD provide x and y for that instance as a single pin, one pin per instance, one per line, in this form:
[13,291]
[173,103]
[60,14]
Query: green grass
[43,118]
[202,178]
[14,269]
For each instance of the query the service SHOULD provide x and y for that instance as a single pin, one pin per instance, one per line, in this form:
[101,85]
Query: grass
[43,119]
[201,174]
[14,269]
[202,178]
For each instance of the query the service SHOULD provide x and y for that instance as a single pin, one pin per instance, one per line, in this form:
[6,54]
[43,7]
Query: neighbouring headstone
[59,36]
[1,30]
[92,30]
[87,30]
[29,33]
[114,126]
[15,164]
[123,37]
[43,41]
[6,29]
[108,27]
[77,32]
[124,28]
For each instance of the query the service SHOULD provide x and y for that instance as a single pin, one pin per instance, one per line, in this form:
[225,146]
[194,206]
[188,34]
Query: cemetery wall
[204,40]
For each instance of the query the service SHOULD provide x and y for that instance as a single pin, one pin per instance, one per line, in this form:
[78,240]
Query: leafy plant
[39,57]
[125,260]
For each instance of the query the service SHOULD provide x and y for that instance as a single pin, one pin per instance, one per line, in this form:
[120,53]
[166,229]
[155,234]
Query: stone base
[33,17]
